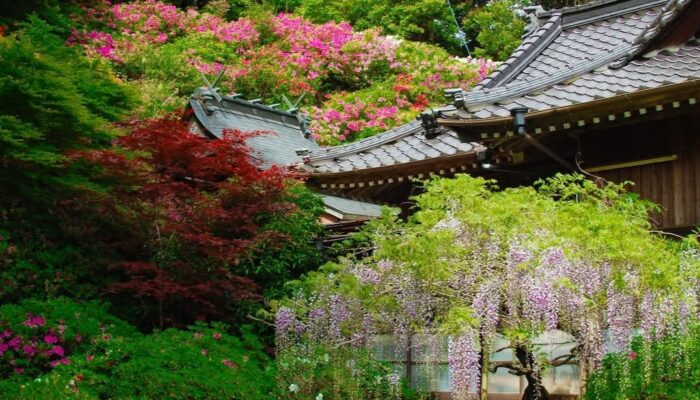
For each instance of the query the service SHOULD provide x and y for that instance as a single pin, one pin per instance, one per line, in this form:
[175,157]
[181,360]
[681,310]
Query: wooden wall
[675,185]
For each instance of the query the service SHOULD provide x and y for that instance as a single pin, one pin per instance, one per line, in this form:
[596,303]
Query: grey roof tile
[280,135]
[349,207]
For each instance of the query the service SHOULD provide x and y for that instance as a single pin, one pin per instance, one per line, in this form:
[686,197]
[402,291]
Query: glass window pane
[562,380]
[429,348]
[503,382]
[387,348]
[432,378]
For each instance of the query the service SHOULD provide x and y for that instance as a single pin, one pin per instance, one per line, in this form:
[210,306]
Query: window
[423,360]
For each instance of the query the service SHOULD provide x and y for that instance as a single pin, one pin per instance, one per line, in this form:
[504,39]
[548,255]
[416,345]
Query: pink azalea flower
[58,350]
[34,321]
[15,343]
[50,338]
[29,350]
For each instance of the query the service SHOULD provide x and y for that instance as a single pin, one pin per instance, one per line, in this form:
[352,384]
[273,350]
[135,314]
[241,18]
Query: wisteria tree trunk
[534,390]
[526,366]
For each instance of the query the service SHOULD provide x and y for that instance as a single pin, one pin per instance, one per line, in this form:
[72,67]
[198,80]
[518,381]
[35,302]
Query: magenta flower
[58,350]
[229,363]
[216,336]
[34,321]
[15,343]
[632,355]
[29,350]
[50,338]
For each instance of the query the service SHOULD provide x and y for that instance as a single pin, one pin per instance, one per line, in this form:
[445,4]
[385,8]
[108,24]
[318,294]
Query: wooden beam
[635,163]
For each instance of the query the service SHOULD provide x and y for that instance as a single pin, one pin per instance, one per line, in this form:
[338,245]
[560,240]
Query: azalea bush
[475,262]
[38,336]
[424,73]
[203,362]
[270,57]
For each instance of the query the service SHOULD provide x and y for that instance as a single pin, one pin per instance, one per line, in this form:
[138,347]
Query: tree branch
[561,360]
[513,369]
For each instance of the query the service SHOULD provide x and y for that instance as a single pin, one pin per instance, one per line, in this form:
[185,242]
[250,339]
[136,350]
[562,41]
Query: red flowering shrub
[197,206]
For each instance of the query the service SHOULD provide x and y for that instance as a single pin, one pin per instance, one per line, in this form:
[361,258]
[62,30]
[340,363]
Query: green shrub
[497,28]
[201,363]
[38,336]
[666,369]
[324,372]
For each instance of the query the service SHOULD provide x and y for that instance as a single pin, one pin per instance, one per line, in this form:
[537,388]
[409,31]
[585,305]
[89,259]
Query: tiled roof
[351,209]
[593,55]
[404,144]
[283,137]
[577,55]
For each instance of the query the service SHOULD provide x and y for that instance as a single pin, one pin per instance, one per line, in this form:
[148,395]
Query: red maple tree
[197,206]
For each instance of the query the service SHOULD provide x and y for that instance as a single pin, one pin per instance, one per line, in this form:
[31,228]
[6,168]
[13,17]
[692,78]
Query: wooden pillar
[485,359]
[485,374]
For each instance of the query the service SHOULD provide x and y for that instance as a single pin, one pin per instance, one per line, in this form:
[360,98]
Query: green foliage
[52,101]
[663,370]
[428,21]
[321,372]
[54,11]
[38,336]
[475,261]
[497,28]
[275,264]
[600,224]
[59,385]
[88,319]
[164,75]
[200,363]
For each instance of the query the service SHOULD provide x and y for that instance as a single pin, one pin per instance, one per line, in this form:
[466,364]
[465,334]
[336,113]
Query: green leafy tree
[53,102]
[428,21]
[496,28]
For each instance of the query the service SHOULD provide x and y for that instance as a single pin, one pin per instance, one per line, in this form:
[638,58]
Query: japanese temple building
[609,89]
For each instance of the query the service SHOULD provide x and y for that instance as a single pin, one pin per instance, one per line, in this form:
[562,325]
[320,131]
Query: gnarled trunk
[534,390]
